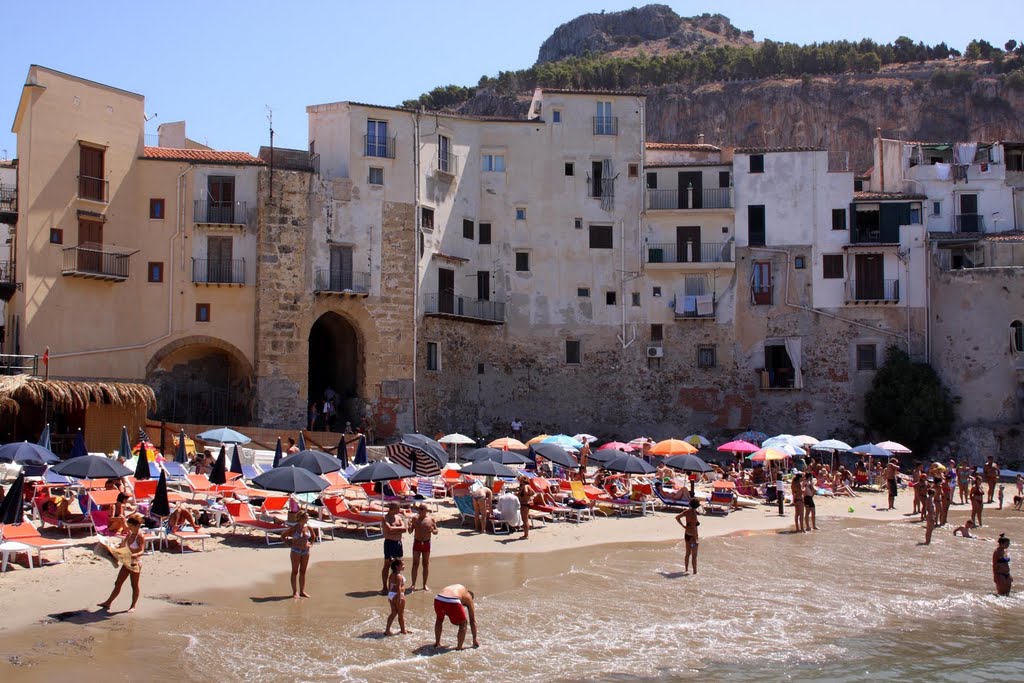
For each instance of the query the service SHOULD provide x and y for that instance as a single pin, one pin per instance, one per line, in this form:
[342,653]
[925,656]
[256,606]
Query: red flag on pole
[46,363]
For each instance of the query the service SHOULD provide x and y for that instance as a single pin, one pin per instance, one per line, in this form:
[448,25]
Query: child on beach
[396,596]
[1000,496]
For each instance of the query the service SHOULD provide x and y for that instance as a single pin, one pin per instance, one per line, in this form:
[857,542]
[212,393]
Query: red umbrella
[617,446]
[739,447]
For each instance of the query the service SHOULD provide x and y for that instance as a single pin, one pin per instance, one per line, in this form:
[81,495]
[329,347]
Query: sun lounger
[552,508]
[51,477]
[146,488]
[466,511]
[242,515]
[181,536]
[29,535]
[73,524]
[175,470]
[103,498]
[673,503]
[337,509]
[723,497]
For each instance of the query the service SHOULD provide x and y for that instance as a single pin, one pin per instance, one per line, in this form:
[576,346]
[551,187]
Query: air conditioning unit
[655,352]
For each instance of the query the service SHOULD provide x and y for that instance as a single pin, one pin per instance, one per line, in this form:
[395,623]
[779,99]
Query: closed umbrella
[236,461]
[141,466]
[316,462]
[343,453]
[78,448]
[504,457]
[25,453]
[361,455]
[672,447]
[291,480]
[302,441]
[223,435]
[125,449]
[557,455]
[489,468]
[44,438]
[11,508]
[91,467]
[161,506]
[629,464]
[278,453]
[180,455]
[219,473]
[419,453]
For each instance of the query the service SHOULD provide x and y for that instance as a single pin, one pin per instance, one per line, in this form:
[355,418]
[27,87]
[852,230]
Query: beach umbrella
[91,467]
[602,456]
[223,435]
[752,436]
[565,441]
[672,447]
[556,454]
[504,457]
[361,455]
[629,464]
[687,463]
[236,461]
[44,438]
[537,439]
[302,441]
[316,462]
[770,453]
[161,506]
[342,453]
[872,450]
[456,440]
[382,470]
[78,448]
[791,449]
[25,453]
[509,443]
[738,446]
[219,473]
[803,440]
[617,446]
[893,447]
[419,453]
[12,506]
[141,466]
[490,468]
[697,440]
[290,479]
[278,453]
[180,455]
[776,441]
[589,437]
[831,445]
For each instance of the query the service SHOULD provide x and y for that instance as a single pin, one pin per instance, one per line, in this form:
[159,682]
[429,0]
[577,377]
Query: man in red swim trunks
[422,528]
[453,602]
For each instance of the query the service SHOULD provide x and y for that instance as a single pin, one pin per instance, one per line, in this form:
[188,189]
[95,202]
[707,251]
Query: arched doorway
[201,381]
[335,369]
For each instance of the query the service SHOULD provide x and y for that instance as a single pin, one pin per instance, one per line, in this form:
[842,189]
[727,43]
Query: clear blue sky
[218,64]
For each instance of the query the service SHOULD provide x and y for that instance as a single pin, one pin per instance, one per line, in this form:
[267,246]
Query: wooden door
[870,279]
[691,190]
[445,290]
[341,269]
[218,259]
[90,172]
[222,199]
[90,246]
[688,244]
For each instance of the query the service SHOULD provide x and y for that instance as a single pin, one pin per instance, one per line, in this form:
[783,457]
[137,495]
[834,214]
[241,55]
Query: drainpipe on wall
[416,258]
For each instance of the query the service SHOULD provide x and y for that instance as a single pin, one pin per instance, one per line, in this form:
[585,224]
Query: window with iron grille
[426,218]
[706,356]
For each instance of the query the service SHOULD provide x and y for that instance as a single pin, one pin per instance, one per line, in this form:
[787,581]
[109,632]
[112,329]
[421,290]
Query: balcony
[95,262]
[19,365]
[209,212]
[379,146]
[93,189]
[447,163]
[673,255]
[334,281]
[8,203]
[689,199]
[218,271]
[873,291]
[448,305]
[969,222]
[696,308]
[606,125]
[7,284]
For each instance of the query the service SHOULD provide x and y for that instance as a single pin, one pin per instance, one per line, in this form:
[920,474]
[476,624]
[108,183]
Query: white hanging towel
[943,171]
[706,304]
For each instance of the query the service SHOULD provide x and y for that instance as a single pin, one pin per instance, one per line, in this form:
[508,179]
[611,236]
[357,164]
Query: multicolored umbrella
[537,439]
[565,441]
[697,440]
[419,453]
[751,436]
[769,453]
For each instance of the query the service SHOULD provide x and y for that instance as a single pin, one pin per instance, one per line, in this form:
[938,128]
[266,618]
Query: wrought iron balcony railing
[705,252]
[218,271]
[447,304]
[335,280]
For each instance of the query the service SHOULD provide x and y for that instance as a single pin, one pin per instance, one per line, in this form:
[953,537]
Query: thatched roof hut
[16,390]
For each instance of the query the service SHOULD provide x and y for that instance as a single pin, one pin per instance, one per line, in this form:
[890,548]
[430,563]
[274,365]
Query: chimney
[700,138]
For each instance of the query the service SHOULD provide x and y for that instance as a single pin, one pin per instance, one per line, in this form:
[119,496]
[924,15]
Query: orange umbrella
[536,439]
[509,443]
[672,447]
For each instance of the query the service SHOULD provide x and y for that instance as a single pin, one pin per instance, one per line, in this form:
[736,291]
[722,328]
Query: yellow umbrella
[509,443]
[537,439]
[672,447]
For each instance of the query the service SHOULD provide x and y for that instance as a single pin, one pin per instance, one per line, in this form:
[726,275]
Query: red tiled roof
[868,196]
[1009,236]
[683,146]
[770,150]
[205,156]
[568,91]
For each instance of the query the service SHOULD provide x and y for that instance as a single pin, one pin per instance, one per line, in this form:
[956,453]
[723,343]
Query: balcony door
[219,252]
[969,219]
[870,280]
[376,138]
[691,190]
[221,191]
[341,268]
[445,290]
[688,244]
[90,243]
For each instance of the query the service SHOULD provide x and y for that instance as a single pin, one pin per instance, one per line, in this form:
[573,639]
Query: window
[600,237]
[445,161]
[577,223]
[522,262]
[483,285]
[755,225]
[556,116]
[633,170]
[479,368]
[570,168]
[156,209]
[433,357]
[635,296]
[604,122]
[378,144]
[799,262]
[56,236]
[757,163]
[493,162]
[485,233]
[655,291]
[596,174]
[936,208]
[761,283]
[376,176]
[652,181]
[867,357]
[779,368]
[657,332]
[1017,336]
[609,298]
[832,266]
[426,218]
[915,213]
[724,179]
[706,356]
[839,219]
[583,292]
[220,191]
[520,213]
[202,313]
[573,352]
[155,271]
[467,228]
[91,184]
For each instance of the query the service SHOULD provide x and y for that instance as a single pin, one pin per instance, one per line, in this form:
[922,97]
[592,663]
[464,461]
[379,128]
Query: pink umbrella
[739,447]
[617,446]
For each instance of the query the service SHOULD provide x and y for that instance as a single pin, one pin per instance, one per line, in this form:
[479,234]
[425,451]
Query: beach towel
[110,549]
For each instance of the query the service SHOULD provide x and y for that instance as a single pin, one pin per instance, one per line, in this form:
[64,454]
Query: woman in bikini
[977,500]
[963,482]
[1001,566]
[135,542]
[526,496]
[798,500]
[301,537]
[396,596]
[119,512]
[810,514]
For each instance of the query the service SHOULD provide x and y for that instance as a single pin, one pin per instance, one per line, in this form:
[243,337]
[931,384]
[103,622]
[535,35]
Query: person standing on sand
[455,602]
[300,537]
[394,528]
[525,495]
[422,528]
[991,472]
[1001,566]
[688,520]
[396,597]
[797,490]
[963,483]
[810,513]
[584,458]
[918,483]
[892,470]
[517,428]
[977,501]
[944,497]
[999,497]
[135,544]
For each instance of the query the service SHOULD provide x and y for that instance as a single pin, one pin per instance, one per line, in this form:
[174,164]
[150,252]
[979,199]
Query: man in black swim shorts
[394,529]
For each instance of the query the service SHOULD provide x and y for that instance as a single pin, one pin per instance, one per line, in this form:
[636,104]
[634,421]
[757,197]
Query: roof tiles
[683,146]
[203,156]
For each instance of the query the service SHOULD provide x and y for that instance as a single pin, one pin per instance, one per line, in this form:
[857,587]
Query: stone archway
[336,369]
[202,380]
